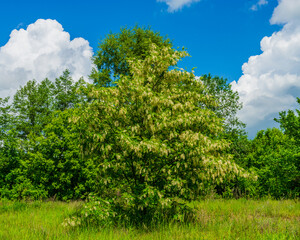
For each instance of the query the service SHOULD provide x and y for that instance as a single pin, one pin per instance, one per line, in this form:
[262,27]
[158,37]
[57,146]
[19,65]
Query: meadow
[140,144]
[217,219]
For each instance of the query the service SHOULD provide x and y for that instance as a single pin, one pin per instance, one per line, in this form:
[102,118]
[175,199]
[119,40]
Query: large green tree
[155,143]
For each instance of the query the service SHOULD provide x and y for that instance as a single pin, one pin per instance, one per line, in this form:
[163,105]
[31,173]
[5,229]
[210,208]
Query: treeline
[145,135]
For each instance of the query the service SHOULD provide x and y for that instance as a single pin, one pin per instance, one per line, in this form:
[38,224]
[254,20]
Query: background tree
[290,123]
[66,92]
[39,154]
[32,105]
[228,105]
[114,51]
[227,102]
[275,157]
[6,118]
[54,162]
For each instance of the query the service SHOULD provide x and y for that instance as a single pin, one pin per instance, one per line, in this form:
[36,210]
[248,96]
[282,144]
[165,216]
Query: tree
[115,50]
[156,146]
[66,92]
[6,118]
[227,107]
[112,62]
[290,122]
[55,164]
[12,183]
[227,103]
[33,105]
[275,158]
[39,155]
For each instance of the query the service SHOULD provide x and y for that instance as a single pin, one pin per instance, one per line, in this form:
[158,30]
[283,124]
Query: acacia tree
[156,146]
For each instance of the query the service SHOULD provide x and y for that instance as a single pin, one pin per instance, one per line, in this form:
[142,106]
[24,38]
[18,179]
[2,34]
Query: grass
[217,219]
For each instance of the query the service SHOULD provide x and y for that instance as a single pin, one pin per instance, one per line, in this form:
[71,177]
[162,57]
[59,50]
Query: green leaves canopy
[290,122]
[115,50]
[275,157]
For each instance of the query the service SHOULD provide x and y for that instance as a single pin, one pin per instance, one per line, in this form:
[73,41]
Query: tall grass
[217,219]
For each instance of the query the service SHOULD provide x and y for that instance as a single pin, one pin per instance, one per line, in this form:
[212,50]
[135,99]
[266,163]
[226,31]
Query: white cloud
[271,81]
[258,4]
[288,11]
[175,5]
[43,50]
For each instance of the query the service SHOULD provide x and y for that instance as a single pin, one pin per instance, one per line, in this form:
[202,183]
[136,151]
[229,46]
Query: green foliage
[34,103]
[39,153]
[147,139]
[276,160]
[6,118]
[31,105]
[96,212]
[63,171]
[52,165]
[66,92]
[227,107]
[227,102]
[155,141]
[115,50]
[290,123]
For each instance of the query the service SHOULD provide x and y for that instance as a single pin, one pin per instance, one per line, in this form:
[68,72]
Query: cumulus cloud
[258,4]
[175,5]
[271,81]
[43,50]
[288,11]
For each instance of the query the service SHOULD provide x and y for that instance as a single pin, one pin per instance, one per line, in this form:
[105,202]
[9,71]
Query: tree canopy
[114,51]
[290,122]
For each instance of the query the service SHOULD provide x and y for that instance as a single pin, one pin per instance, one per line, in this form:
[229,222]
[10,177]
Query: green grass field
[217,219]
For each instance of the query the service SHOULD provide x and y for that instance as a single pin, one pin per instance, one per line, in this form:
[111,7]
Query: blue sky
[221,36]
